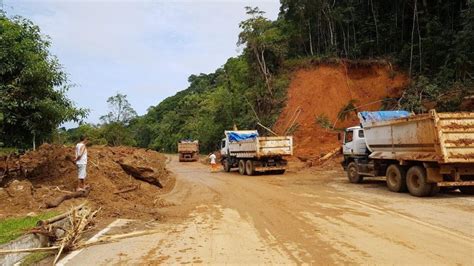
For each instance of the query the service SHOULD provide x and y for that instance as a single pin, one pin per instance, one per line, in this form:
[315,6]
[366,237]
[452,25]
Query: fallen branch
[141,173]
[329,154]
[78,194]
[128,189]
[28,250]
[60,190]
[103,240]
[95,164]
[61,216]
[79,222]
[268,129]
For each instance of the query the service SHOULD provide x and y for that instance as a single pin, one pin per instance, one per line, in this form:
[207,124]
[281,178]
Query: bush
[323,121]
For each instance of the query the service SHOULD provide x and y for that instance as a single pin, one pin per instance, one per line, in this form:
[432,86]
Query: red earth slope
[324,90]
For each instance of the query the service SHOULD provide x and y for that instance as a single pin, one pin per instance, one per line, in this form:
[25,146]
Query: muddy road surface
[311,216]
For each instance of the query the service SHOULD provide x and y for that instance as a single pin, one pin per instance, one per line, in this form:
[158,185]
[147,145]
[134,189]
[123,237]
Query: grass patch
[6,151]
[34,258]
[12,228]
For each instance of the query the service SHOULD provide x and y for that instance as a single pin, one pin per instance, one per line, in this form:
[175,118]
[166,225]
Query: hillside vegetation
[430,41]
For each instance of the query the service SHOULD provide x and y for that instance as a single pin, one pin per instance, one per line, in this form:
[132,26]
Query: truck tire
[353,173]
[467,190]
[226,165]
[249,167]
[417,183]
[396,178]
[242,167]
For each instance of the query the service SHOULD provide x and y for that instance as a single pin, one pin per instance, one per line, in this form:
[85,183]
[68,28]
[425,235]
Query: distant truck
[419,153]
[188,150]
[251,153]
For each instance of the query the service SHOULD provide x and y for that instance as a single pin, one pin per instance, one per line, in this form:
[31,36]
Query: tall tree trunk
[310,39]
[375,22]
[412,34]
[263,69]
[419,38]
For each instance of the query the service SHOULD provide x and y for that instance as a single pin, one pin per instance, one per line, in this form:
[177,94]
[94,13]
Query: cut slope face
[325,90]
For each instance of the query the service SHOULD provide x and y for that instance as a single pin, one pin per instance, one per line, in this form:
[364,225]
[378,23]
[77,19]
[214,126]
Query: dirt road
[305,217]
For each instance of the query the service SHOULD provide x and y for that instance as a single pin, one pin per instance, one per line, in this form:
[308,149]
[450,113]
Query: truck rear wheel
[417,183]
[242,167]
[396,178]
[249,167]
[226,165]
[353,173]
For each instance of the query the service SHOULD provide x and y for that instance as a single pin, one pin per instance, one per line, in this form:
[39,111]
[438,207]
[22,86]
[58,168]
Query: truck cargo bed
[444,138]
[188,147]
[262,147]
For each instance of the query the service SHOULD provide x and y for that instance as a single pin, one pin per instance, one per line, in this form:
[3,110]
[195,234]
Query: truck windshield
[349,136]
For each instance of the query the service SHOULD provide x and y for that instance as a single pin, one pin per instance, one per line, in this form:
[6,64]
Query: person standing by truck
[212,158]
[81,162]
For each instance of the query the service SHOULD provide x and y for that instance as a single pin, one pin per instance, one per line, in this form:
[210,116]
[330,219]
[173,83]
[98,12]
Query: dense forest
[430,40]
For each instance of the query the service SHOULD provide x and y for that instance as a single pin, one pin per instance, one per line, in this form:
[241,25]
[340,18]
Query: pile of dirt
[323,91]
[32,180]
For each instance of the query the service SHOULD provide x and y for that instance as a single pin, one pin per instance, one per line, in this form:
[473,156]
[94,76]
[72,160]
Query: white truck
[418,153]
[251,153]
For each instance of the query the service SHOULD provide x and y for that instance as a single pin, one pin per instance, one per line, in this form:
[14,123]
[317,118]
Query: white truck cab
[224,148]
[354,141]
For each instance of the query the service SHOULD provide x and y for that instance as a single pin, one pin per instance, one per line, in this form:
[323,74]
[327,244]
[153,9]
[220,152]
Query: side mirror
[339,136]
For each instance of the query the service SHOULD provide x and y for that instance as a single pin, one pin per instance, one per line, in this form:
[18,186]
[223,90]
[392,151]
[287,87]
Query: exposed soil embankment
[36,178]
[324,90]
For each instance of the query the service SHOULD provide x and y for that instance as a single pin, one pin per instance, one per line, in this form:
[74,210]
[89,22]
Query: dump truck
[419,153]
[251,153]
[188,150]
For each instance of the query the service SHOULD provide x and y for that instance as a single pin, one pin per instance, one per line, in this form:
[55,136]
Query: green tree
[94,134]
[116,130]
[33,85]
[121,110]
[265,44]
[117,134]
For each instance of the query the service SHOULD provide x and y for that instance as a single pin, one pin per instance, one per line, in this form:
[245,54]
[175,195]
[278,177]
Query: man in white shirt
[81,162]
[212,157]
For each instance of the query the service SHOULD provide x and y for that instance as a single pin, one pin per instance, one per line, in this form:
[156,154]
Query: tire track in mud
[404,216]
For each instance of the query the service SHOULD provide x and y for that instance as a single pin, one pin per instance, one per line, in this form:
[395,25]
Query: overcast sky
[144,49]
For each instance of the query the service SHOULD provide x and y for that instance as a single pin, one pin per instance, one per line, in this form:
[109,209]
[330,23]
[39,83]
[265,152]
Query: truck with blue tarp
[419,153]
[251,153]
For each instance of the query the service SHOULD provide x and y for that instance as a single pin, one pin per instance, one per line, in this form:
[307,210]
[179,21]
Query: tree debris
[127,189]
[141,173]
[79,221]
[56,202]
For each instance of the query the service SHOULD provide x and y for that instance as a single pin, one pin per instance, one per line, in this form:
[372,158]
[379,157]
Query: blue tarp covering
[234,136]
[382,115]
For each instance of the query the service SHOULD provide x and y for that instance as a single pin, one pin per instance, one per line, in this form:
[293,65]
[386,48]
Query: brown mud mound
[324,90]
[36,178]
